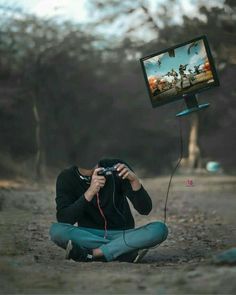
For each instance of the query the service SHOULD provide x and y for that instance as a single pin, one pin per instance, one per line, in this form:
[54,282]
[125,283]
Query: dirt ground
[201,221]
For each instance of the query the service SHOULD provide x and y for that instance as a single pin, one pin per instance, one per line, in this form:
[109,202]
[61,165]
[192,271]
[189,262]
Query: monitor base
[192,105]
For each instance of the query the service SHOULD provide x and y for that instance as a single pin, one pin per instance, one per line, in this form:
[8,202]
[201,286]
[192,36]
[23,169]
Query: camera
[107,171]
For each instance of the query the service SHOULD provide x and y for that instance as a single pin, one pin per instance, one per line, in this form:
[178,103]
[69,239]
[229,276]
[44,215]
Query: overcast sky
[70,9]
[76,9]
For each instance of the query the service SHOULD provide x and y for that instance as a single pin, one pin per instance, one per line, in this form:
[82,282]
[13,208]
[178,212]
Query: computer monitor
[180,72]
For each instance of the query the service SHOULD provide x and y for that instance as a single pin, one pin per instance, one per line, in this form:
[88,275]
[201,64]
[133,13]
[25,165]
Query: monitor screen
[186,68]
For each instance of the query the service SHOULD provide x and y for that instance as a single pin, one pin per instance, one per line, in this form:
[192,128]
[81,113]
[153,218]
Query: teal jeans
[116,243]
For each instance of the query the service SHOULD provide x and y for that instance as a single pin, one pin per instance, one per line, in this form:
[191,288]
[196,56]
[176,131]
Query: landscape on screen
[180,70]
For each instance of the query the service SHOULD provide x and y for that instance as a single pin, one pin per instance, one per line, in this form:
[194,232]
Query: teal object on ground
[226,257]
[213,166]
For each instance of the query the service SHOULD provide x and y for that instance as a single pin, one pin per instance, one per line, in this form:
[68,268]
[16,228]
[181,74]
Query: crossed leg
[116,243]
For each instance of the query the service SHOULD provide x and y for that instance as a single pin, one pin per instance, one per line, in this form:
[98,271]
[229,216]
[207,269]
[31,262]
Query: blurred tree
[137,18]
[38,55]
[67,92]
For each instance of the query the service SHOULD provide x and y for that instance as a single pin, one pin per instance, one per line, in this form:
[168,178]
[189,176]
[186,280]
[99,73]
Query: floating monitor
[180,72]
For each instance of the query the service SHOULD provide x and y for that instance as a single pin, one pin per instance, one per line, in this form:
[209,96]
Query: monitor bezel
[156,103]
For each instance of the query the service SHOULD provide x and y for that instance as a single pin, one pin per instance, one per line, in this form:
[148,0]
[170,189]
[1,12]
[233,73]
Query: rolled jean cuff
[106,253]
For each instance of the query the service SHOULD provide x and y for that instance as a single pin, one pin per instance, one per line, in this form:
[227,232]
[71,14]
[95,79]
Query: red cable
[105,221]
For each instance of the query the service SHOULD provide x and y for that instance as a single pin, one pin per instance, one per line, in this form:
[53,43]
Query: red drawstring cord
[105,221]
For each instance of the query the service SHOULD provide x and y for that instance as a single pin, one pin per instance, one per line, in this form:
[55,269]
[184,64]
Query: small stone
[195,273]
[32,227]
[142,287]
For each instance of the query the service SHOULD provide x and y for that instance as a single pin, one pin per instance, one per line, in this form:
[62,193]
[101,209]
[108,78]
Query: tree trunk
[39,158]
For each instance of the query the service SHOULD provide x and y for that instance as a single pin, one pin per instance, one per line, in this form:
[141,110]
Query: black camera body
[107,171]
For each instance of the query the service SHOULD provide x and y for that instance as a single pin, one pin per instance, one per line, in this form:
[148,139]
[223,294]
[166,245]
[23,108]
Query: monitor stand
[192,105]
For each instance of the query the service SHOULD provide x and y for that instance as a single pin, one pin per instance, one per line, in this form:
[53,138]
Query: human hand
[97,182]
[125,173]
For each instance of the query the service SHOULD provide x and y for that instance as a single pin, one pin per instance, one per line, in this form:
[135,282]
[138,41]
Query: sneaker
[134,256]
[78,253]
[127,257]
[141,254]
[68,249]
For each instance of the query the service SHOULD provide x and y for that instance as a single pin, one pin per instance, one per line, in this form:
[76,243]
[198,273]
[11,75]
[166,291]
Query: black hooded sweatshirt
[72,206]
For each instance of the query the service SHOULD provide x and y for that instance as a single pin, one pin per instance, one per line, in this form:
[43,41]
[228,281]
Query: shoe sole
[140,255]
[68,249]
